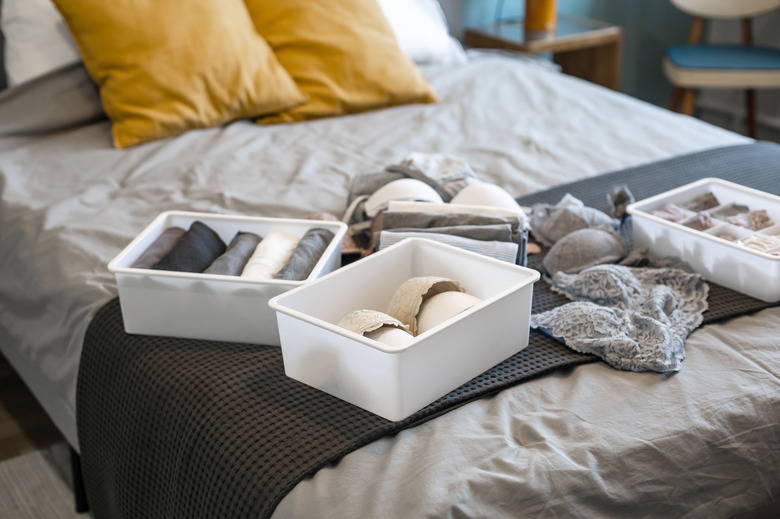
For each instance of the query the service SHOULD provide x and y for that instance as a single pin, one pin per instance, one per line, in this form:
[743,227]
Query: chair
[746,66]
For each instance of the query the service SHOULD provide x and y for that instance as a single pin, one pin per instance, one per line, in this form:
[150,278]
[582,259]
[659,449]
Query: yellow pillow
[165,67]
[342,54]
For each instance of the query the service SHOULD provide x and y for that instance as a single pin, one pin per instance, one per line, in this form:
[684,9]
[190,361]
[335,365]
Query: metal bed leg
[79,492]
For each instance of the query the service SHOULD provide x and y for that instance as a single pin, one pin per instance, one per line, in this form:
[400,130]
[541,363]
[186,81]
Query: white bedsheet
[70,203]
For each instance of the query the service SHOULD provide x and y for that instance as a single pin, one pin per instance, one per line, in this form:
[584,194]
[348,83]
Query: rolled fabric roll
[702,203]
[270,255]
[238,252]
[753,220]
[761,242]
[305,255]
[728,210]
[700,222]
[159,248]
[672,212]
[195,250]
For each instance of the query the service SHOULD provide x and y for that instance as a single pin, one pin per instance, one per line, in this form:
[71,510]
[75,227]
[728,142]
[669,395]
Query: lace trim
[635,319]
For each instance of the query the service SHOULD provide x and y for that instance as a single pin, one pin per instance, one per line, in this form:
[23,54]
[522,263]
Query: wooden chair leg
[750,101]
[677,95]
[687,102]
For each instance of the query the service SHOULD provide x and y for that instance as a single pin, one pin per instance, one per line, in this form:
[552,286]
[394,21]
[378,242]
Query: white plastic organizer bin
[730,262]
[394,382]
[205,306]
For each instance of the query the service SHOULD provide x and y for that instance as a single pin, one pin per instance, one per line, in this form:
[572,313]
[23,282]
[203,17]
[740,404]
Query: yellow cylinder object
[540,16]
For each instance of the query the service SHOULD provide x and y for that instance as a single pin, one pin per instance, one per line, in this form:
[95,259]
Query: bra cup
[482,193]
[582,249]
[551,225]
[607,285]
[402,189]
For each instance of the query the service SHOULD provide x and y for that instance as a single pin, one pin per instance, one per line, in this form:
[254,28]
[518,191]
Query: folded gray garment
[392,220]
[450,172]
[495,232]
[238,252]
[159,248]
[306,255]
[502,250]
[195,250]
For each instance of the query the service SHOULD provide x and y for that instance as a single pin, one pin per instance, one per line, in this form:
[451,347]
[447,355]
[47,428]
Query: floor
[24,425]
[39,487]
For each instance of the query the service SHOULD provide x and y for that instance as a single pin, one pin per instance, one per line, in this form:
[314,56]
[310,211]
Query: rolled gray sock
[238,252]
[195,250]
[305,255]
[159,248]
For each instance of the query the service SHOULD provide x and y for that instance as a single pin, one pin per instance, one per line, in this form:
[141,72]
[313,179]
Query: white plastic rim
[640,208]
[725,262]
[725,8]
[280,303]
[121,264]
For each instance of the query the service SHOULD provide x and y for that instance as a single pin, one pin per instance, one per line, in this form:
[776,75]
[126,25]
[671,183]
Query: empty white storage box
[716,242]
[394,382]
[204,306]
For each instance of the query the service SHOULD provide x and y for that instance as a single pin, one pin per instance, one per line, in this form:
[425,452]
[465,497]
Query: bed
[593,441]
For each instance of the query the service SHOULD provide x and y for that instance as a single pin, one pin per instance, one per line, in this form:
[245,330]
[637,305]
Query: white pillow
[37,40]
[421,30]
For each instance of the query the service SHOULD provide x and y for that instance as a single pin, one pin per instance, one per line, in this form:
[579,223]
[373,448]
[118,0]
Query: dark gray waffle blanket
[189,428]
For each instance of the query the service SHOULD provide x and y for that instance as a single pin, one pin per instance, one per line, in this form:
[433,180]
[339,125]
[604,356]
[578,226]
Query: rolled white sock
[270,255]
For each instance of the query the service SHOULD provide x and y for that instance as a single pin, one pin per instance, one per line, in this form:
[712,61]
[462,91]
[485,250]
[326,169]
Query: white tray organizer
[731,263]
[394,382]
[206,306]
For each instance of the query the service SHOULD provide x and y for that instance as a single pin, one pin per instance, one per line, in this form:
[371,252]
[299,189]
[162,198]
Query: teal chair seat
[731,57]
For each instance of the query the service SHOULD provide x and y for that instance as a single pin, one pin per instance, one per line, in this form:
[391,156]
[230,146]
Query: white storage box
[394,382]
[723,252]
[204,306]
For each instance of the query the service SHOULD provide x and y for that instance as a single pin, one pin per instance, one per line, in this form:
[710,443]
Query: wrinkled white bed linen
[70,203]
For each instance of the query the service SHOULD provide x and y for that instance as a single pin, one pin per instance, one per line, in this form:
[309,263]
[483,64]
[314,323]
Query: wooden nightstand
[588,49]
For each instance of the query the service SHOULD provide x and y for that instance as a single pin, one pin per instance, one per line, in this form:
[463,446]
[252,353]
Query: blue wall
[649,26]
